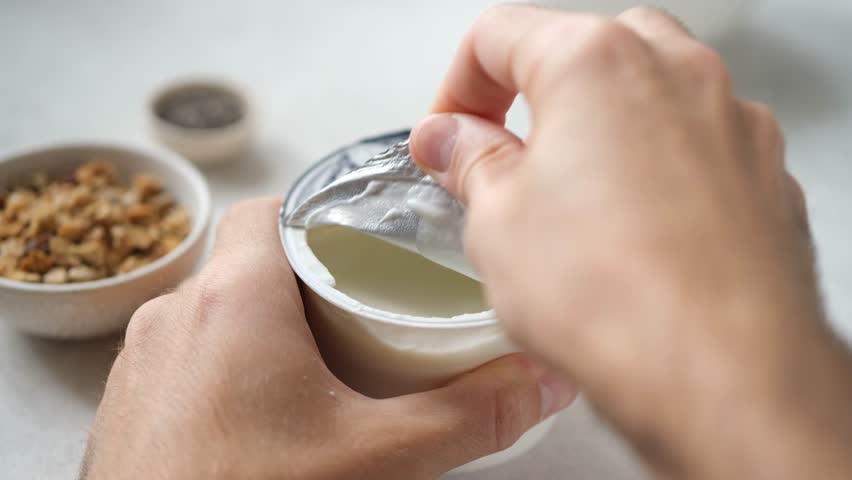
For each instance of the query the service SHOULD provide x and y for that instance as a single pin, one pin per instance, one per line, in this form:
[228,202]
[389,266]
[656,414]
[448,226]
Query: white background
[324,74]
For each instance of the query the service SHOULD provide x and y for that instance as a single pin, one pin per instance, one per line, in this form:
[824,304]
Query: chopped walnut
[8,230]
[74,229]
[176,222]
[132,263]
[82,273]
[13,247]
[146,185]
[35,261]
[18,201]
[86,225]
[23,276]
[141,213]
[161,202]
[97,173]
[56,276]
[7,265]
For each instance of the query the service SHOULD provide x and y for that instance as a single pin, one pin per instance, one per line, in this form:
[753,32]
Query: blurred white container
[204,146]
[705,18]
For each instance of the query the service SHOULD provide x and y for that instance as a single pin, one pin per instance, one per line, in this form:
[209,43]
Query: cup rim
[339,299]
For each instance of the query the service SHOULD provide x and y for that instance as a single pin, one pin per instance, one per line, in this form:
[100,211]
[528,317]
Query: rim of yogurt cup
[298,262]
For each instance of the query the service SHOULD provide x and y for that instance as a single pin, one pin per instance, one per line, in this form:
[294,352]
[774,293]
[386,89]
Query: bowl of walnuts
[89,231]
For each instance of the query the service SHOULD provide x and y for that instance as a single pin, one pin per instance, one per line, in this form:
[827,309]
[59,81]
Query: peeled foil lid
[391,198]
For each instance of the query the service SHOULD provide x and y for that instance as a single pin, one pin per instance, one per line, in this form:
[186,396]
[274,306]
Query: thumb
[479,413]
[463,152]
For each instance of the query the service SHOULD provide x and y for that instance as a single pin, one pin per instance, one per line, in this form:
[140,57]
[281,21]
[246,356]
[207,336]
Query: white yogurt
[386,277]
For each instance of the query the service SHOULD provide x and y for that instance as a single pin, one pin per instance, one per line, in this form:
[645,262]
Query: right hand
[646,238]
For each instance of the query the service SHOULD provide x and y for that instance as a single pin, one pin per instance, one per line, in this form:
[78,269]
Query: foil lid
[392,199]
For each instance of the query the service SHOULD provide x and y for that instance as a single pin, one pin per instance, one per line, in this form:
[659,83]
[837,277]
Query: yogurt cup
[381,352]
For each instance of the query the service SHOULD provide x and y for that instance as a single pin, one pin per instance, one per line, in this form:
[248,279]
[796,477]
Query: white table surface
[84,68]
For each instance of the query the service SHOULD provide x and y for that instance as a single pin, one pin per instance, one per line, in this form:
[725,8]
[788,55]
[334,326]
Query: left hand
[222,379]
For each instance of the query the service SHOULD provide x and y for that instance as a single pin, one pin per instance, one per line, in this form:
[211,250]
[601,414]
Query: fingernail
[556,393]
[434,140]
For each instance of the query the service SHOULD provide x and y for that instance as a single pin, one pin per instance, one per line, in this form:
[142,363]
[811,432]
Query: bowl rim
[246,120]
[184,168]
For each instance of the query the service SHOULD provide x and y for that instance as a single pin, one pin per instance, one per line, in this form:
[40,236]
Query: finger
[250,226]
[479,413]
[464,152]
[497,58]
[248,275]
[248,261]
[799,203]
[246,293]
[654,24]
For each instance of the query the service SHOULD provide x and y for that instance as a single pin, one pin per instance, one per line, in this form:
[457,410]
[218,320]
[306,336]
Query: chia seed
[200,107]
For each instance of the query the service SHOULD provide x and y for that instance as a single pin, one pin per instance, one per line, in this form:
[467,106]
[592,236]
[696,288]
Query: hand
[222,379]
[645,238]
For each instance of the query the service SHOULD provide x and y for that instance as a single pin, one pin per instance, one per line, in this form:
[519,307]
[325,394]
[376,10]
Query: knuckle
[708,66]
[246,207]
[762,115]
[491,15]
[590,42]
[653,16]
[643,13]
[766,127]
[798,193]
[485,168]
[143,322]
[606,39]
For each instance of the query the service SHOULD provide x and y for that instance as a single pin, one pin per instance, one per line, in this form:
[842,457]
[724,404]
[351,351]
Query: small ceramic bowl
[100,307]
[207,120]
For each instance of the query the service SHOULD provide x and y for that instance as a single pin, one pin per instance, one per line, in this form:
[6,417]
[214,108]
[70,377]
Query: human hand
[222,379]
[646,238]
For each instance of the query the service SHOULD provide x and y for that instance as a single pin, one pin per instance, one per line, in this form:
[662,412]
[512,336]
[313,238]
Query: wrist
[779,413]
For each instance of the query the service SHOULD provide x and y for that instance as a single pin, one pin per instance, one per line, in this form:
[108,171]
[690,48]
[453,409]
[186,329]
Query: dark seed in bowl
[200,107]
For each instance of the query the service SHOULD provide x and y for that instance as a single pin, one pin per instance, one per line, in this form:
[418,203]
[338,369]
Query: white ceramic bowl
[705,18]
[97,308]
[204,146]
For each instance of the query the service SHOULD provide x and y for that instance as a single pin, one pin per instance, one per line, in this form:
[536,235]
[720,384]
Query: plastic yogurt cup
[379,333]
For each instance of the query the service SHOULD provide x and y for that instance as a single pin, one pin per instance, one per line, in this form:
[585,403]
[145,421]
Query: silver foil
[392,199]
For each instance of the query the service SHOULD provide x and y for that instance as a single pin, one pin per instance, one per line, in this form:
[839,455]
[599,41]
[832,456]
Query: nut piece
[7,265]
[97,172]
[23,276]
[146,185]
[8,230]
[18,201]
[56,276]
[73,229]
[35,261]
[140,213]
[132,263]
[82,274]
[161,202]
[176,222]
[12,248]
